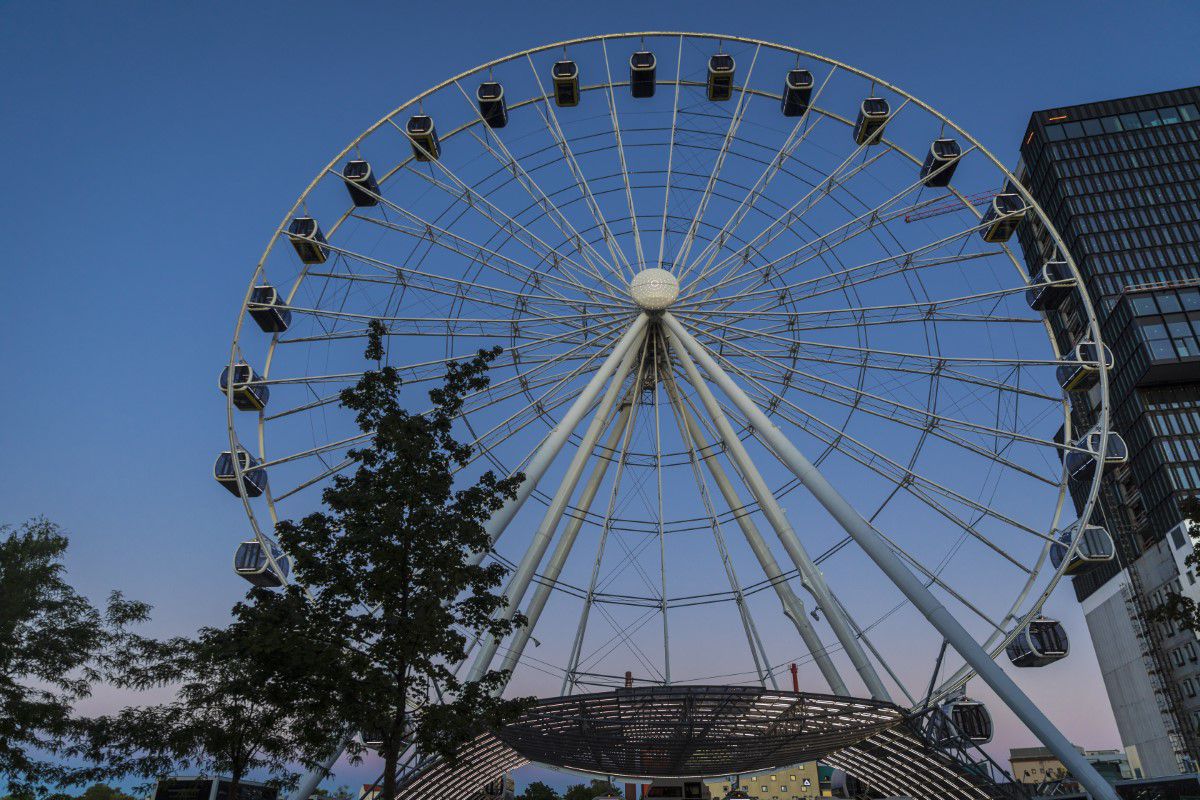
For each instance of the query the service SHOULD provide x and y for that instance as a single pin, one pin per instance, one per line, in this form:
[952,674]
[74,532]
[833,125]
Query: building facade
[1120,180]
[800,782]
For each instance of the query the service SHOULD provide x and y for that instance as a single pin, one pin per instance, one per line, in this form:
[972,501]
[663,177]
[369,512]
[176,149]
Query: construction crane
[982,198]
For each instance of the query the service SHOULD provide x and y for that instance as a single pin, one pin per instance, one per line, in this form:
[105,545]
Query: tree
[1177,609]
[54,645]
[390,592]
[228,716]
[590,791]
[539,791]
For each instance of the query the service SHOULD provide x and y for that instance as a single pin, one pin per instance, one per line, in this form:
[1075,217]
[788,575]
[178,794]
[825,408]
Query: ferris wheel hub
[654,289]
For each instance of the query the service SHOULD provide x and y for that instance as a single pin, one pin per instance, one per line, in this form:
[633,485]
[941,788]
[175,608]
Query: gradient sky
[151,148]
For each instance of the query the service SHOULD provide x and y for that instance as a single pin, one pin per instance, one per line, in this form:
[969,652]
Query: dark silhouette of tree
[539,791]
[590,791]
[54,646]
[1178,609]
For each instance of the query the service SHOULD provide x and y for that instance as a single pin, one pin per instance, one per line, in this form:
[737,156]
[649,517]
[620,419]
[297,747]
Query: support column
[542,459]
[518,582]
[793,606]
[917,593]
[810,576]
[565,542]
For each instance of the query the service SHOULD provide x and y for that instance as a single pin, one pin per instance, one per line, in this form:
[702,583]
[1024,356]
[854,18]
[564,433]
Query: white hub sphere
[654,289]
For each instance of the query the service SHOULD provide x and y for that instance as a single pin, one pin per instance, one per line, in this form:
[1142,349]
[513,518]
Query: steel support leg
[793,606]
[810,576]
[518,582]
[874,546]
[562,549]
[542,459]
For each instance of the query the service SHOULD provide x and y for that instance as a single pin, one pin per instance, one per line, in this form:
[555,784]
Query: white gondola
[1082,370]
[641,74]
[797,92]
[961,721]
[246,389]
[1047,289]
[1095,547]
[267,309]
[254,477]
[1003,216]
[1081,463]
[873,115]
[308,240]
[422,135]
[566,83]
[372,739]
[940,163]
[493,109]
[251,563]
[360,183]
[1042,641]
[720,77]
[844,785]
[503,787]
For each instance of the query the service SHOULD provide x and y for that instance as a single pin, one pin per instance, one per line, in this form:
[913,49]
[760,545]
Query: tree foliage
[590,791]
[390,593]
[539,791]
[54,645]
[1178,609]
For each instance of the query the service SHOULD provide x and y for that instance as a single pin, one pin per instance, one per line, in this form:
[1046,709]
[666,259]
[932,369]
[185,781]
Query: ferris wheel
[767,345]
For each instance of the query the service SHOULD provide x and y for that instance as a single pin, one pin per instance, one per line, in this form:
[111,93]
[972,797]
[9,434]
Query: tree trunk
[235,785]
[390,758]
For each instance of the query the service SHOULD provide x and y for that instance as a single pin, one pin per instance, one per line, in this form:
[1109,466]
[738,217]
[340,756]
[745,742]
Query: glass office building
[1120,179]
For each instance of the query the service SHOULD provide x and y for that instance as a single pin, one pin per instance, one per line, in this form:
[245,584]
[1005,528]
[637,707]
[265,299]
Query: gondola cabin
[372,739]
[254,477]
[360,183]
[1042,641]
[1081,463]
[310,243]
[503,787]
[797,92]
[720,77]
[844,785]
[422,135]
[961,721]
[492,108]
[641,74]
[245,387]
[1095,547]
[268,310]
[1001,219]
[940,163]
[1047,289]
[1082,368]
[566,83]
[873,114]
[251,562]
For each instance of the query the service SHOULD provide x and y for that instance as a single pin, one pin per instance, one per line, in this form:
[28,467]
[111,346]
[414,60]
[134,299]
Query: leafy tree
[590,791]
[102,791]
[228,717]
[389,592]
[54,645]
[1177,609]
[539,791]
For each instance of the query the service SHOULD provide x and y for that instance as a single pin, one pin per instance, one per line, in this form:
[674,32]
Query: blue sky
[151,148]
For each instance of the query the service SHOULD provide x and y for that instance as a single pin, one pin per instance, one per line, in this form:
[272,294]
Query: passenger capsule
[1042,641]
[360,183]
[422,135]
[492,107]
[641,74]
[566,83]
[246,389]
[372,739]
[940,163]
[1046,290]
[308,240]
[720,77]
[1082,462]
[267,308]
[1082,368]
[961,721]
[1095,547]
[253,476]
[797,92]
[251,562]
[1003,216]
[873,114]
